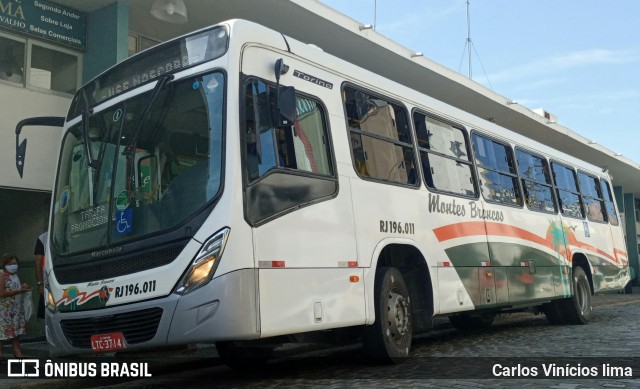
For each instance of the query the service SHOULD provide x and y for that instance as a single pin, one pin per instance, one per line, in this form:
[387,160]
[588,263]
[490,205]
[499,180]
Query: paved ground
[463,359]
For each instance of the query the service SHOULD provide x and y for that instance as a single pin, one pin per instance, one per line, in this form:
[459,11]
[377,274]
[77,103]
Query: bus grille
[118,266]
[137,327]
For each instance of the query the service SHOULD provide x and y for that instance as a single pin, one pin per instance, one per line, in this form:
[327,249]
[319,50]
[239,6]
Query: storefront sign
[45,20]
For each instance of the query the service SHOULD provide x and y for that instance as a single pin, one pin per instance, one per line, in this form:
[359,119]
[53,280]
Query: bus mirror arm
[21,147]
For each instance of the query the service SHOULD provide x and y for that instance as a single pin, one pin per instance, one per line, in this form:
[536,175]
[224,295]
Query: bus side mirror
[21,147]
[285,112]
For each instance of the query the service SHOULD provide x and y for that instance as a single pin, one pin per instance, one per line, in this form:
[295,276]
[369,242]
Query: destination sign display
[45,20]
[149,65]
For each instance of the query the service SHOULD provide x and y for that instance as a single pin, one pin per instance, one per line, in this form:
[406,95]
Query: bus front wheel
[388,340]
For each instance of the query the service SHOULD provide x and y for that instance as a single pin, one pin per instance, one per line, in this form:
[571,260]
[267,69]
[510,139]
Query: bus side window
[444,151]
[301,146]
[592,197]
[499,183]
[381,141]
[567,191]
[536,182]
[259,133]
[306,145]
[608,201]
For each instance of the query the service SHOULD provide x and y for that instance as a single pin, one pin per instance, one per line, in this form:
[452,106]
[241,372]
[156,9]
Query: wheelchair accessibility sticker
[124,221]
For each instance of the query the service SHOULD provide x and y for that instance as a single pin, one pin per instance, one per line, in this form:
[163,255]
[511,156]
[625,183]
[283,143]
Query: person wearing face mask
[12,320]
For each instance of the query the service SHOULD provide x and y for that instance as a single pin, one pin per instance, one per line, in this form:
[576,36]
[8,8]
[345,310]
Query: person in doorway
[12,318]
[39,253]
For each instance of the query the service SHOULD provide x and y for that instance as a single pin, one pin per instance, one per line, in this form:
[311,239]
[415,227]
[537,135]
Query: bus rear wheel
[576,309]
[388,340]
[553,312]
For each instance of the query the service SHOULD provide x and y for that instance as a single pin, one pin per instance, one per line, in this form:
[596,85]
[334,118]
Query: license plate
[107,342]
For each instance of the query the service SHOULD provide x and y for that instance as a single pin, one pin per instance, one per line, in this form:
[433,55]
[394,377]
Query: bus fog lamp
[50,301]
[204,264]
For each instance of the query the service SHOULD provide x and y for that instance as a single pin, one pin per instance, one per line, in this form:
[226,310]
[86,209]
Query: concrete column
[632,234]
[107,39]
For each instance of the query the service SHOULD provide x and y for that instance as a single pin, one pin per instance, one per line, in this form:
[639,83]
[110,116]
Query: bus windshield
[129,179]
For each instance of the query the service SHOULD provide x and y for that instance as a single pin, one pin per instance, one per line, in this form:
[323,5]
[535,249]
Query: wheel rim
[582,298]
[397,316]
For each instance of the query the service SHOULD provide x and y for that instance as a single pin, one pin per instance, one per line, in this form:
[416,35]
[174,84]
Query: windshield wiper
[129,150]
[86,115]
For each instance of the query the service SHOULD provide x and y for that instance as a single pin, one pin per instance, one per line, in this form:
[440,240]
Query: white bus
[240,187]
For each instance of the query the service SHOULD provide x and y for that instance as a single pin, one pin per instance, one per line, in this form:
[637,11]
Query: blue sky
[578,59]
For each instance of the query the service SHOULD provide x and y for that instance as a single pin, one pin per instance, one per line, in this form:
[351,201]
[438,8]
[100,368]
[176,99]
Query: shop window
[54,70]
[12,54]
[26,62]
[133,44]
[138,43]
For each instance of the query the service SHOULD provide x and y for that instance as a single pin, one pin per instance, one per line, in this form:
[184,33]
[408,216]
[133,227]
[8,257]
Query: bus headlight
[205,263]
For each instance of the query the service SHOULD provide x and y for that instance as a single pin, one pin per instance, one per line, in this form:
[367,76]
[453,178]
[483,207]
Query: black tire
[388,339]
[578,308]
[239,357]
[553,312]
[467,322]
[628,289]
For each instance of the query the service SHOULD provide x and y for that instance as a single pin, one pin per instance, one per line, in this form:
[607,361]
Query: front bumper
[224,309]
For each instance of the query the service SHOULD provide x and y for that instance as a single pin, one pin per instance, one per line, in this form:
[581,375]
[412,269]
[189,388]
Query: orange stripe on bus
[620,253]
[516,232]
[459,230]
[479,228]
